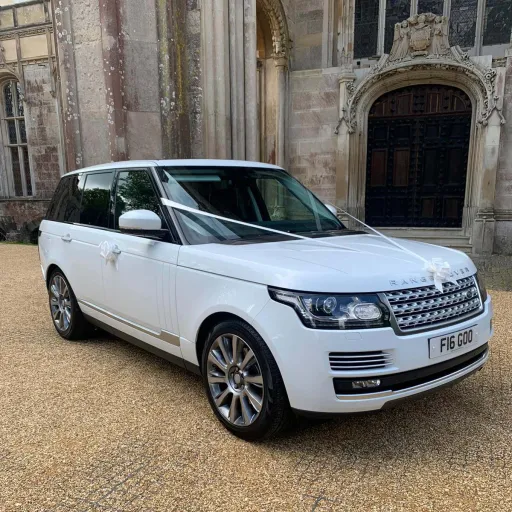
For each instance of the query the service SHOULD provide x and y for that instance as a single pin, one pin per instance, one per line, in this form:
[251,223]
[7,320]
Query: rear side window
[65,206]
[135,192]
[96,199]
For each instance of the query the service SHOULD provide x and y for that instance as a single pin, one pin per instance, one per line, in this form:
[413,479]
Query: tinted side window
[96,199]
[135,192]
[65,206]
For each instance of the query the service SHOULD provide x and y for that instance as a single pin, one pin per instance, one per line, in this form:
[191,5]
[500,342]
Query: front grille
[351,361]
[419,308]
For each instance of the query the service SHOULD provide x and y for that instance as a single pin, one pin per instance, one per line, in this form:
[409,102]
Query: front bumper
[313,386]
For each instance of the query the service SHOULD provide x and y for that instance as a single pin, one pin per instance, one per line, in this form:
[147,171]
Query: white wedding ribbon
[109,252]
[439,269]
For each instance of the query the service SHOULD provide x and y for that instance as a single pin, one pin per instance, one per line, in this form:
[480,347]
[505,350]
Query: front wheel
[243,383]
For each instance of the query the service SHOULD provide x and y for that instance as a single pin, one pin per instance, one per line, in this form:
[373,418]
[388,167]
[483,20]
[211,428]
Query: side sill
[178,361]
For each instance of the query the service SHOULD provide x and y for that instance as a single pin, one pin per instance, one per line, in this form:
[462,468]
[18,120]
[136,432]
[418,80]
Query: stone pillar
[214,19]
[112,47]
[485,222]
[346,33]
[174,110]
[281,64]
[261,110]
[237,65]
[251,86]
[347,77]
[64,48]
[343,145]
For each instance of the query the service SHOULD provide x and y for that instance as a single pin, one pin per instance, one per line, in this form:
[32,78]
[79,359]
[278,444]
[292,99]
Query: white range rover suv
[340,321]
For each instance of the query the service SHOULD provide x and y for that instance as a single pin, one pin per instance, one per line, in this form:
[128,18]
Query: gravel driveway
[104,426]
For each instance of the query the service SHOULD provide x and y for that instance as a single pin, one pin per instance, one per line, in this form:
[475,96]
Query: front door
[418,141]
[140,285]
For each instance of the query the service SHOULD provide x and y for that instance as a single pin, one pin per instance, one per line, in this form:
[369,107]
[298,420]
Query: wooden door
[418,142]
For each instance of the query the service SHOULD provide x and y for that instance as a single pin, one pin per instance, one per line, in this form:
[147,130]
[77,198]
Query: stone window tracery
[474,24]
[15,140]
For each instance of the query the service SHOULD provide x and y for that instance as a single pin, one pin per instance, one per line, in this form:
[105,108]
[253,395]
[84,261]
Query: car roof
[175,163]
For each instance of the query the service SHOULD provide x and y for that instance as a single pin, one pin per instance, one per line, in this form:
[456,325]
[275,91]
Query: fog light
[363,384]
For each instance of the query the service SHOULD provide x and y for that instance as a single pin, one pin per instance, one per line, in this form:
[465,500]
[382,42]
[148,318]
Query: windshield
[265,197]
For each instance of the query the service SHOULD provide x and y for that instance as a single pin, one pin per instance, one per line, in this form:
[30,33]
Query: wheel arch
[206,327]
[50,270]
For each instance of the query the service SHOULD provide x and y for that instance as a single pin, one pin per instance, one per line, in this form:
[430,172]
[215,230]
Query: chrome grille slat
[347,361]
[426,306]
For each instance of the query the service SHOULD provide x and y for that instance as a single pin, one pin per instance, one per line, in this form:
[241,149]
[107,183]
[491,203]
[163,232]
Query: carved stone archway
[452,68]
[273,59]
[230,83]
[274,12]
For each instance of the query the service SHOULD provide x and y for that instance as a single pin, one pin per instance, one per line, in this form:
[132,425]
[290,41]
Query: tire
[246,393]
[67,318]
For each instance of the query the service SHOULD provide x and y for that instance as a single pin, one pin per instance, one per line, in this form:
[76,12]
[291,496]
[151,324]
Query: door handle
[66,238]
[116,250]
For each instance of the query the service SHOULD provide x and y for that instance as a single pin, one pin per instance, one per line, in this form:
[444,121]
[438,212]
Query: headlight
[481,285]
[326,311]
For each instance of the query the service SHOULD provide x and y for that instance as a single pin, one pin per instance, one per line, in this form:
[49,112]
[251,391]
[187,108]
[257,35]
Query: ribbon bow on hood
[440,271]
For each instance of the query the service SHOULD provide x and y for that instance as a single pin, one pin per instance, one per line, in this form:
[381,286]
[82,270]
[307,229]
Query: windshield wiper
[330,232]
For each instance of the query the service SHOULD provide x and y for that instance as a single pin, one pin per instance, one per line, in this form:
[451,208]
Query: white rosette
[109,252]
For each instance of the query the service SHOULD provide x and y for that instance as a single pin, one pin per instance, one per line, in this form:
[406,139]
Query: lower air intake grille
[353,361]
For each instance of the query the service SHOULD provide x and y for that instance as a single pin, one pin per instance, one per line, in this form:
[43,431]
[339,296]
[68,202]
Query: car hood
[354,263]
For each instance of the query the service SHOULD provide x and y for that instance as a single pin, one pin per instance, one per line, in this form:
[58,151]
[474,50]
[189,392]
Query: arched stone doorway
[267,94]
[417,157]
[245,53]
[272,66]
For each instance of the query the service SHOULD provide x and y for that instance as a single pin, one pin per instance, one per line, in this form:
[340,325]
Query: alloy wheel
[235,380]
[60,303]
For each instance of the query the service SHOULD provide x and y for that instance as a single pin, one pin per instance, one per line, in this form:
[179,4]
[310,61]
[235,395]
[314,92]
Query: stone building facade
[399,111]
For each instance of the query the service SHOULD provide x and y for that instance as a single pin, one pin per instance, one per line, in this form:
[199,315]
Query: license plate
[452,342]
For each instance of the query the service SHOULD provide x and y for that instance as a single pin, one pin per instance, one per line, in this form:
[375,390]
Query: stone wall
[42,130]
[307,43]
[503,204]
[313,119]
[141,96]
[89,68]
[20,217]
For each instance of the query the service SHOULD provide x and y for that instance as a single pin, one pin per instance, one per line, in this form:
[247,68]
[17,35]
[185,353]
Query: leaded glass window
[434,6]
[396,11]
[16,139]
[497,22]
[463,23]
[366,28]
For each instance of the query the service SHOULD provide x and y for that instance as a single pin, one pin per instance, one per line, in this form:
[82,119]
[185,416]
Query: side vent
[353,361]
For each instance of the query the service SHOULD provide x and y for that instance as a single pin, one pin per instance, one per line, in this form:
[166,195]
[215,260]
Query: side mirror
[142,223]
[332,209]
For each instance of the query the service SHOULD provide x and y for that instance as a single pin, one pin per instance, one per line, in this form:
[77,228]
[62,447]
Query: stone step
[452,238]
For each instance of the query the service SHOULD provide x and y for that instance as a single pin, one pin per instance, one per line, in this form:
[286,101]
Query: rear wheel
[243,382]
[66,315]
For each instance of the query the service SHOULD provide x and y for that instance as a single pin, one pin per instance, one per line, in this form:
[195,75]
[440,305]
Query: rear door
[58,230]
[85,274]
